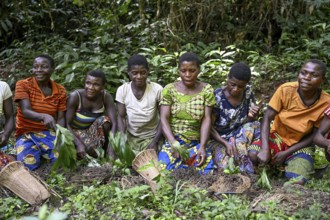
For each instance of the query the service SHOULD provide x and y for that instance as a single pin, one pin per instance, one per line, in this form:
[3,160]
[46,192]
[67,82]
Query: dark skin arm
[72,105]
[158,135]
[319,137]
[230,150]
[205,132]
[121,117]
[48,120]
[280,157]
[110,111]
[9,125]
[264,154]
[165,112]
[61,118]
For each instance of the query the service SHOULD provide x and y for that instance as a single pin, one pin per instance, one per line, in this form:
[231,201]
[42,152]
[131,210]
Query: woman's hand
[280,157]
[231,150]
[81,151]
[201,156]
[176,149]
[3,140]
[253,112]
[263,156]
[49,121]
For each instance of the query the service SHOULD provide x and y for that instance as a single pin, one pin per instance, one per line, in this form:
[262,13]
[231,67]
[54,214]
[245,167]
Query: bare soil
[289,199]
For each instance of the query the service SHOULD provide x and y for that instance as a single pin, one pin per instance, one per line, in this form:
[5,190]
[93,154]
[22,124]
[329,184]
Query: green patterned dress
[187,112]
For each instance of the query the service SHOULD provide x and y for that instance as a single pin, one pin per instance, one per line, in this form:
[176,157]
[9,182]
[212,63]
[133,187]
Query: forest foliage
[273,37]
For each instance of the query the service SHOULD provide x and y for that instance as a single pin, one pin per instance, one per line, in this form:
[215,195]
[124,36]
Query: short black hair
[137,60]
[240,71]
[98,74]
[49,58]
[189,57]
[322,65]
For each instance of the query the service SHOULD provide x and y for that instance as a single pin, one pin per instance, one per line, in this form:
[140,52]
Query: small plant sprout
[263,180]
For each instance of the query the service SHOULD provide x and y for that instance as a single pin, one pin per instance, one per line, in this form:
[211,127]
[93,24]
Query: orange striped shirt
[29,89]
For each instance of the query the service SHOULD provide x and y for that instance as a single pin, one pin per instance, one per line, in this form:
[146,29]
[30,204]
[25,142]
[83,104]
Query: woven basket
[20,181]
[147,169]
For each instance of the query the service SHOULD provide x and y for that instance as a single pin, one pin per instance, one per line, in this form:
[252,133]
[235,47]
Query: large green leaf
[64,146]
[122,148]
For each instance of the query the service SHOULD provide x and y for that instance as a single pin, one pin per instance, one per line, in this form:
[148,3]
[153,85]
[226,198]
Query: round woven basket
[146,163]
[20,181]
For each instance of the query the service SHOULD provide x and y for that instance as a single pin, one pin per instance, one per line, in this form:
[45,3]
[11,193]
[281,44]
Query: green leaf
[263,180]
[145,167]
[42,212]
[64,146]
[121,148]
[184,152]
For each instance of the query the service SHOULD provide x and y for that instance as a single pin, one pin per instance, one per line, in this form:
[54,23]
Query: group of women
[184,116]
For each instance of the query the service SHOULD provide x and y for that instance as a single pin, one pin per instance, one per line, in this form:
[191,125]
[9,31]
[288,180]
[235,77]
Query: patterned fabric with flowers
[187,111]
[228,117]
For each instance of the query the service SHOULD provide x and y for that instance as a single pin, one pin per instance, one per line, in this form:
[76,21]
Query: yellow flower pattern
[31,147]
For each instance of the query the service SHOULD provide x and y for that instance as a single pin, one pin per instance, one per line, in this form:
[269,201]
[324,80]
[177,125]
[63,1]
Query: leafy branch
[64,146]
[122,148]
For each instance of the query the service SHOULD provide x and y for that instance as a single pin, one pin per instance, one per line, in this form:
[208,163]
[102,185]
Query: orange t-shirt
[294,119]
[29,89]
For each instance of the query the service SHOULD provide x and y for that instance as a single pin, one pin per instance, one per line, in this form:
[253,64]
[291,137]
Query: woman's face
[188,71]
[42,70]
[310,77]
[93,86]
[138,74]
[236,87]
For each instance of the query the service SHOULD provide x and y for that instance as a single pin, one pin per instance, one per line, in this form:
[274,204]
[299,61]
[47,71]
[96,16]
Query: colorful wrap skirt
[94,136]
[32,146]
[169,162]
[298,165]
[242,139]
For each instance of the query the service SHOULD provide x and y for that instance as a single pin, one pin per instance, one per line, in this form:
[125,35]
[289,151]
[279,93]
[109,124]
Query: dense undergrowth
[85,35]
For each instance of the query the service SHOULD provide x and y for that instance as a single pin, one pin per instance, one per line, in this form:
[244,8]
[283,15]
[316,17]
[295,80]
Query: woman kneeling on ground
[235,126]
[186,108]
[138,106]
[297,110]
[41,105]
[91,115]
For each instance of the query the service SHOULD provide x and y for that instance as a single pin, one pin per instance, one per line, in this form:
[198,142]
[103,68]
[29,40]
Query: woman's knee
[106,127]
[253,155]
